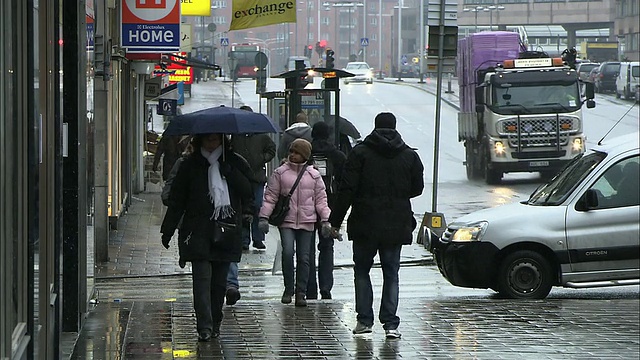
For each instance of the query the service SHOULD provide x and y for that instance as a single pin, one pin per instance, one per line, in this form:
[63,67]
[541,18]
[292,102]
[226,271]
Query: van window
[618,186]
[557,190]
[635,71]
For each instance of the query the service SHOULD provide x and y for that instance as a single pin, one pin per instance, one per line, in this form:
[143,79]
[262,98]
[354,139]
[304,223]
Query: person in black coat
[380,177]
[329,160]
[209,197]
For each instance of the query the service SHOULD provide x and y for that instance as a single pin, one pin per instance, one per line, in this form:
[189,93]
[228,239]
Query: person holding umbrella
[210,193]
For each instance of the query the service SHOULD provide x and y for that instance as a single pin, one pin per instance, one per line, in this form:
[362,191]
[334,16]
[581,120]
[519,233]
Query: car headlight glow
[471,232]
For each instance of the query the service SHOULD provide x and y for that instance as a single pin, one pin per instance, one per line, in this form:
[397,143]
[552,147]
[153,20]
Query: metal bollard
[449,91]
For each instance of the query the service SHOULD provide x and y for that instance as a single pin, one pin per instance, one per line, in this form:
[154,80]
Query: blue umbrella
[221,119]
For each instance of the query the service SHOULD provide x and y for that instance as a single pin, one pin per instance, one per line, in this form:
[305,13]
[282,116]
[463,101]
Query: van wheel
[525,274]
[617,95]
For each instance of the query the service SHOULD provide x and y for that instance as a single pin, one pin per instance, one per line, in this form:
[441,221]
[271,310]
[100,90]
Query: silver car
[362,71]
[581,229]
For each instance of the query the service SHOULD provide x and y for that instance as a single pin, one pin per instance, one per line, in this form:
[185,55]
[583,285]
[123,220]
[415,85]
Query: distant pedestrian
[209,196]
[258,150]
[308,206]
[169,149]
[298,130]
[380,177]
[329,161]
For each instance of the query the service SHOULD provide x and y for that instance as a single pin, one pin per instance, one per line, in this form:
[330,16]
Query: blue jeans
[232,276]
[325,266]
[296,242]
[251,230]
[363,253]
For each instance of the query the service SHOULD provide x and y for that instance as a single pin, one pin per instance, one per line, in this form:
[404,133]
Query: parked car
[362,71]
[593,74]
[627,80]
[584,68]
[409,71]
[579,230]
[606,79]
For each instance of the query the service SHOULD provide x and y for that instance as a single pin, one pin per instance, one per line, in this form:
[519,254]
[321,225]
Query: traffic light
[308,51]
[330,61]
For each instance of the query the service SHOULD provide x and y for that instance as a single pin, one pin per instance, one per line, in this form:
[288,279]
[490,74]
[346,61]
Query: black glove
[263,225]
[165,240]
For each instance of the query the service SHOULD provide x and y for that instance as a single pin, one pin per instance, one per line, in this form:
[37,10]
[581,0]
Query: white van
[580,230]
[628,79]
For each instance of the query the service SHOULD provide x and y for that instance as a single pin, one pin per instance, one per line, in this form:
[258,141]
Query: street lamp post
[399,59]
[491,9]
[475,11]
[380,39]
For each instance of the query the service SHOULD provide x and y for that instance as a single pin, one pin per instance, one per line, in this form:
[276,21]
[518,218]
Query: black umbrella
[221,119]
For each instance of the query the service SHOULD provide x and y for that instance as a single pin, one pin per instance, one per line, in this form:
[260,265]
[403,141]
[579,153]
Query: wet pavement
[143,308]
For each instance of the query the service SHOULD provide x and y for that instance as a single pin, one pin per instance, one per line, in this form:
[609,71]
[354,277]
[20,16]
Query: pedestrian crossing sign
[224,41]
[364,42]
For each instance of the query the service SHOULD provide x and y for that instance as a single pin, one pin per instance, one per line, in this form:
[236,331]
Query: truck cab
[528,116]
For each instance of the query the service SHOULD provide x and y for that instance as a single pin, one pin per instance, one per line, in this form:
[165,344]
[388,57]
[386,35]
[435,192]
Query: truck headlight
[498,148]
[576,147]
[471,232]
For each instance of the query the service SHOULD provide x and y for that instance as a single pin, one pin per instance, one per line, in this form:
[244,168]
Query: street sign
[151,89]
[404,59]
[224,41]
[364,42]
[450,13]
[150,26]
[167,107]
[448,65]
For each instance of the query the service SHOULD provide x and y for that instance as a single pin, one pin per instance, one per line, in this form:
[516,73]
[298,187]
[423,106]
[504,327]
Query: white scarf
[218,188]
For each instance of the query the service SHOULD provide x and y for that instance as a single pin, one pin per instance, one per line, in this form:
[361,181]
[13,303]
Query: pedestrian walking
[169,149]
[298,130]
[308,205]
[329,162]
[209,196]
[258,150]
[380,177]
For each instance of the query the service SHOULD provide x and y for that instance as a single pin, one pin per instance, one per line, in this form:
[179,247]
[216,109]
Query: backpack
[166,190]
[326,168]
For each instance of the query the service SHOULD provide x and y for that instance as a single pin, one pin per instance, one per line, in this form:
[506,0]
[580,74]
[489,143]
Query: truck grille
[538,131]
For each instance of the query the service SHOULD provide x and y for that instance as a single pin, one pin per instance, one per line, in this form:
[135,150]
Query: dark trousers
[209,287]
[364,250]
[325,266]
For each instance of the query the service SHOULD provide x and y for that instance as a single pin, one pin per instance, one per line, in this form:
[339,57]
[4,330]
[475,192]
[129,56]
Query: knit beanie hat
[302,147]
[385,120]
[320,130]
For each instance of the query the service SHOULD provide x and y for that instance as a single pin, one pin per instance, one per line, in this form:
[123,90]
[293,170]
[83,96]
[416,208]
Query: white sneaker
[392,334]
[362,329]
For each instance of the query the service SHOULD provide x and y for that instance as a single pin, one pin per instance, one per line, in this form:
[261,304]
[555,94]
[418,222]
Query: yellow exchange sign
[195,7]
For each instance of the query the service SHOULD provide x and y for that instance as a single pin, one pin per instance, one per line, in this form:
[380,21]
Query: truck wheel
[525,274]
[471,162]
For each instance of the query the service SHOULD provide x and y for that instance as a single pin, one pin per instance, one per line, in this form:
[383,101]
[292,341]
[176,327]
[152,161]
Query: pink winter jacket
[309,199]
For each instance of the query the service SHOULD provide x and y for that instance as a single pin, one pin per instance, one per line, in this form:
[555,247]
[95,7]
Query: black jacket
[257,149]
[336,157]
[380,177]
[189,201]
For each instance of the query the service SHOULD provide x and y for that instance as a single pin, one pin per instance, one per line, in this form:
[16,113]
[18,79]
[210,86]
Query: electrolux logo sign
[150,26]
[265,10]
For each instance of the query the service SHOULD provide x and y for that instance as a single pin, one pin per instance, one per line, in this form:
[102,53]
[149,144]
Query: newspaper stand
[297,98]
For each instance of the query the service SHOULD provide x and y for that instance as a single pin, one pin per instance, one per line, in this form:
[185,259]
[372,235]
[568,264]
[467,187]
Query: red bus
[245,55]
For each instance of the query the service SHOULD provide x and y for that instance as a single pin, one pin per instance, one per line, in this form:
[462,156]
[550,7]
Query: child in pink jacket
[308,206]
